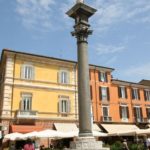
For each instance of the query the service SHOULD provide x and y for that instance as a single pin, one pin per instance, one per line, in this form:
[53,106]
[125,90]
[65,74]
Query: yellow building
[36,91]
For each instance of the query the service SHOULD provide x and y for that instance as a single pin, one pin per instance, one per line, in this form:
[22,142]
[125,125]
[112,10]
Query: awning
[66,127]
[95,127]
[120,129]
[69,127]
[25,128]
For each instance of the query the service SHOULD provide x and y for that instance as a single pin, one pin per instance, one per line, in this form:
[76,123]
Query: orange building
[116,101]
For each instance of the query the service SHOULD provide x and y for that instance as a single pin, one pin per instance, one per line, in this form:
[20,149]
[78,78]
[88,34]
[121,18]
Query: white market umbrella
[49,134]
[143,132]
[76,133]
[123,133]
[70,134]
[14,136]
[30,135]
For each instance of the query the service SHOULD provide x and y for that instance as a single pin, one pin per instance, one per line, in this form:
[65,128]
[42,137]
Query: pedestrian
[29,145]
[125,145]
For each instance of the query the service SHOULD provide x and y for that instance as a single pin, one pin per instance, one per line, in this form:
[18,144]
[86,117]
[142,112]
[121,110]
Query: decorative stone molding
[7,92]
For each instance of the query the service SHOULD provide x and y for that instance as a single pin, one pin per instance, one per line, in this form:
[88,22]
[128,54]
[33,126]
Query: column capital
[81,32]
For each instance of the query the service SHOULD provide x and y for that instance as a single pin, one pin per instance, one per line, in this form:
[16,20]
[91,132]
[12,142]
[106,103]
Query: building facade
[116,101]
[38,91]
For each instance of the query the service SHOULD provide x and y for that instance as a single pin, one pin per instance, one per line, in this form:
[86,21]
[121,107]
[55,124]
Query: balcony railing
[141,120]
[26,114]
[106,119]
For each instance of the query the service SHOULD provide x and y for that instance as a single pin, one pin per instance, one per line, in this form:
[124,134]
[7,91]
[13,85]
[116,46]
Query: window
[26,102]
[105,111]
[124,112]
[148,112]
[104,93]
[27,72]
[147,95]
[64,104]
[138,114]
[102,76]
[63,77]
[135,93]
[122,92]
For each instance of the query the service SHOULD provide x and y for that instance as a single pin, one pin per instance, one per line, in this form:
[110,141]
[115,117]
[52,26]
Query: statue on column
[80,1]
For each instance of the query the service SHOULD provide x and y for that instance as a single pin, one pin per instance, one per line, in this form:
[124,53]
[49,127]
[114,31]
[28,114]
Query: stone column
[81,12]
[83,89]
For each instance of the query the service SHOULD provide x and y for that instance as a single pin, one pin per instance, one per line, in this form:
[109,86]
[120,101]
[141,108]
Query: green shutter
[145,95]
[108,94]
[119,92]
[59,77]
[139,94]
[106,76]
[100,95]
[60,106]
[32,72]
[126,96]
[68,106]
[132,92]
[120,111]
[99,76]
[22,71]
[68,77]
[127,112]
[91,93]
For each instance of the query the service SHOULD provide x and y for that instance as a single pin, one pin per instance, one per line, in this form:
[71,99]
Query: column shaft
[84,90]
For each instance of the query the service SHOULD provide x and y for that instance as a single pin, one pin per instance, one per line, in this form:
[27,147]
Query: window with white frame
[105,114]
[104,93]
[64,104]
[103,76]
[124,112]
[64,77]
[105,111]
[147,94]
[26,102]
[138,113]
[27,72]
[135,93]
[122,92]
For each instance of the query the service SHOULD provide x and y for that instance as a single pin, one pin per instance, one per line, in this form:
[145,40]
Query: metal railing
[26,114]
[106,119]
[141,120]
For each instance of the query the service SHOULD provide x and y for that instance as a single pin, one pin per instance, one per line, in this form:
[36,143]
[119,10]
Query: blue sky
[121,37]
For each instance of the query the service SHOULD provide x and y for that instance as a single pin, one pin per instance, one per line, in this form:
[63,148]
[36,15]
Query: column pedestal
[86,143]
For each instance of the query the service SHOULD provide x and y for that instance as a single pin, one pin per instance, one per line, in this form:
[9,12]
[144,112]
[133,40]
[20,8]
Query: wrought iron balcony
[26,114]
[106,119]
[141,120]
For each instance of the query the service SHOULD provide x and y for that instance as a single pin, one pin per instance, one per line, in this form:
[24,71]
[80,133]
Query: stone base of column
[86,143]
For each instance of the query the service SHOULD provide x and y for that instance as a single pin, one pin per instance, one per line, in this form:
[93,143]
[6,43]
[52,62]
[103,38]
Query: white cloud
[35,14]
[139,71]
[108,49]
[45,14]
[112,12]
[111,60]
